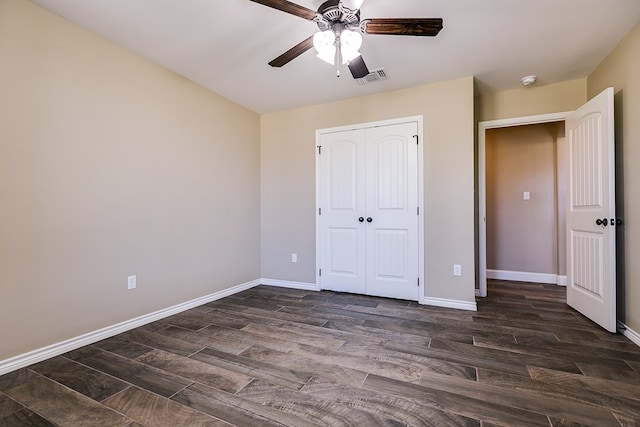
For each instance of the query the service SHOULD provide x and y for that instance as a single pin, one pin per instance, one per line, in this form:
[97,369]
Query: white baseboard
[35,356]
[629,333]
[291,285]
[450,303]
[524,276]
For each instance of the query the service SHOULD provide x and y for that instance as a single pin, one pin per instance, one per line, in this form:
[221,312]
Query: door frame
[411,119]
[482,181]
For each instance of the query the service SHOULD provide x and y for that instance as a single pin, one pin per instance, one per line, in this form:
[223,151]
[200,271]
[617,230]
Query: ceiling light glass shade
[350,43]
[325,44]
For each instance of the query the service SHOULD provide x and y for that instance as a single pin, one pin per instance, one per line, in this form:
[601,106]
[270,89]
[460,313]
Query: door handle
[369,219]
[361,219]
[602,222]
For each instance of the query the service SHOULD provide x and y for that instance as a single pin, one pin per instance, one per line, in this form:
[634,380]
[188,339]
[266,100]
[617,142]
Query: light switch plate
[457,270]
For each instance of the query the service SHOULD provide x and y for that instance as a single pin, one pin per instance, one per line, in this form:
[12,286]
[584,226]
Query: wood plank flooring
[282,357]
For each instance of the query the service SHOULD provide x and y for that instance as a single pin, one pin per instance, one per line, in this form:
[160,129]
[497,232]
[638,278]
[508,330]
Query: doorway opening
[591,212]
[525,202]
[521,200]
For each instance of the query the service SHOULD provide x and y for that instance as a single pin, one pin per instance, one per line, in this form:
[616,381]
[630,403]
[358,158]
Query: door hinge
[320,272]
[319,211]
[418,282]
[319,149]
[418,210]
[417,139]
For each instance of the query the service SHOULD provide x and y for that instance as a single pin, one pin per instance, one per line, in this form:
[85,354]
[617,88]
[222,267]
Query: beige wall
[522,235]
[531,101]
[288,181]
[621,69]
[112,166]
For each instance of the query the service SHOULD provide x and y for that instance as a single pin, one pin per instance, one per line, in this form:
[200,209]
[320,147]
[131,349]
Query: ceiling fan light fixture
[325,44]
[350,43]
[328,56]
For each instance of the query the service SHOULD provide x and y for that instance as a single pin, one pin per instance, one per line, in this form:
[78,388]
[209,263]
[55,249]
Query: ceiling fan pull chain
[338,54]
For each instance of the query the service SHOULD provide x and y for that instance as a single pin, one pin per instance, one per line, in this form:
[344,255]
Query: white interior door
[591,273]
[341,196]
[391,204]
[368,200]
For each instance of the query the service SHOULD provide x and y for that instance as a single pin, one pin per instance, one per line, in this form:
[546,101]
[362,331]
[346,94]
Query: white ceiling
[225,45]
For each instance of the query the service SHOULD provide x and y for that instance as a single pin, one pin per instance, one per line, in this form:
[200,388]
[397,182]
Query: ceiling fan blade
[402,26]
[293,53]
[289,7]
[358,68]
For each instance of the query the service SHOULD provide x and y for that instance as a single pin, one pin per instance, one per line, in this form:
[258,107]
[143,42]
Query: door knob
[369,219]
[361,219]
[602,222]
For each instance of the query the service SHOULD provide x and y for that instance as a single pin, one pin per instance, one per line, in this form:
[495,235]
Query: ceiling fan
[339,39]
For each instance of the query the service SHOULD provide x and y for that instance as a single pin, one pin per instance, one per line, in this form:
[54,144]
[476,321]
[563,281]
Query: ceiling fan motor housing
[332,14]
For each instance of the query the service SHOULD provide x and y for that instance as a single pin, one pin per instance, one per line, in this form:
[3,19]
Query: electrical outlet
[526,195]
[131,282]
[457,270]
[294,257]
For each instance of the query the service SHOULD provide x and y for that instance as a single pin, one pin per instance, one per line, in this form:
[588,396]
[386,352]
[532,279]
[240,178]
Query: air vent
[373,76]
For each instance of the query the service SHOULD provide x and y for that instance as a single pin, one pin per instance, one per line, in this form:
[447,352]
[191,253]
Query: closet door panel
[392,203]
[342,200]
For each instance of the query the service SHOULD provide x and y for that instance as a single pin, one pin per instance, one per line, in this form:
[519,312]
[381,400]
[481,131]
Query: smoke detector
[528,80]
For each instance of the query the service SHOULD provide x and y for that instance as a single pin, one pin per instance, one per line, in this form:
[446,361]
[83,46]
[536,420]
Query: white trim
[388,122]
[629,333]
[523,276]
[421,233]
[560,281]
[290,285]
[450,303]
[38,355]
[421,191]
[482,189]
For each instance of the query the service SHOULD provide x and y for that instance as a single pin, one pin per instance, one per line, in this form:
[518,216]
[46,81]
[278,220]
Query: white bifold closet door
[368,201]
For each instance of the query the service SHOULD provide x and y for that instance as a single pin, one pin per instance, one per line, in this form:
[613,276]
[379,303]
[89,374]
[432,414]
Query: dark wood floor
[271,356]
